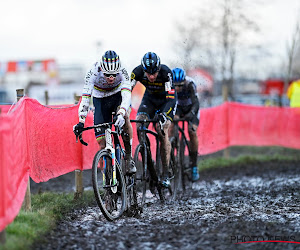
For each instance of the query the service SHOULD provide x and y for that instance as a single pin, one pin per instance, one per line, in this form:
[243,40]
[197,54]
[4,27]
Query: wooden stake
[2,237]
[20,94]
[78,184]
[78,172]
[226,152]
[27,201]
[46,97]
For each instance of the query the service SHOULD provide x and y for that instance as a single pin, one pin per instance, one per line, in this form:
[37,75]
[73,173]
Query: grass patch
[47,209]
[249,155]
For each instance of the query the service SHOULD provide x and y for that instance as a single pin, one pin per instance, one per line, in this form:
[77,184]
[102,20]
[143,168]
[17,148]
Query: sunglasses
[109,75]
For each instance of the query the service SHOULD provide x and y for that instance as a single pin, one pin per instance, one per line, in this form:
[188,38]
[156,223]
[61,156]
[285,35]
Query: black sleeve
[194,97]
[137,74]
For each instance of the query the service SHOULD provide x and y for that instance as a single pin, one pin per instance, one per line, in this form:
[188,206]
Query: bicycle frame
[144,139]
[112,199]
[112,146]
[178,129]
[116,151]
[150,172]
[182,142]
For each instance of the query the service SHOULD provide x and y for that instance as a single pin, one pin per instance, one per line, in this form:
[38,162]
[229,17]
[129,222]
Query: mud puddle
[226,207]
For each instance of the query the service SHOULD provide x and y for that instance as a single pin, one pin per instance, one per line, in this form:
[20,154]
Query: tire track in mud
[227,206]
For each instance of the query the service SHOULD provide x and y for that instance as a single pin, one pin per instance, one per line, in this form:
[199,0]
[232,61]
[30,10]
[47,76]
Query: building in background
[37,76]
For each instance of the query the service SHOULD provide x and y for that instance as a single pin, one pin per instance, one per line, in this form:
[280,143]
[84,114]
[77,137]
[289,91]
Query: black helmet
[151,63]
[110,62]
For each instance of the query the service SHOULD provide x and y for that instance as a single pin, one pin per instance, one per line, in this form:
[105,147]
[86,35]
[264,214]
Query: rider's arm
[86,93]
[125,92]
[194,97]
[171,96]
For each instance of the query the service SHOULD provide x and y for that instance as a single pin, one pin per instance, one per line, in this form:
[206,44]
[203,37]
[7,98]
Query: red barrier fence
[38,140]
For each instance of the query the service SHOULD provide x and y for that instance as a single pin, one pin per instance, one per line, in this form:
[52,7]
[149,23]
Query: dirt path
[227,206]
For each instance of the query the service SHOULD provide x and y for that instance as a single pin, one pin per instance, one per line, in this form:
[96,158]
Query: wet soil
[226,209]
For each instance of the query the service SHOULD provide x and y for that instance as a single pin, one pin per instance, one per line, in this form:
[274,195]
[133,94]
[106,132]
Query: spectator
[293,93]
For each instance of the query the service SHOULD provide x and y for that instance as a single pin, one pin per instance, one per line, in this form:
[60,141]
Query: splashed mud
[227,206]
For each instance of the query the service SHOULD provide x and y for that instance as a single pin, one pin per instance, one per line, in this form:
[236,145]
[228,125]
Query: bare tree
[217,35]
[293,50]
[233,26]
[193,42]
[187,42]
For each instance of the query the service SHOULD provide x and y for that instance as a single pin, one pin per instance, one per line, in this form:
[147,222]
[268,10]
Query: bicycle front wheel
[109,187]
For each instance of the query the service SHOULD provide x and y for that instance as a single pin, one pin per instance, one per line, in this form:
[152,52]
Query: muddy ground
[227,206]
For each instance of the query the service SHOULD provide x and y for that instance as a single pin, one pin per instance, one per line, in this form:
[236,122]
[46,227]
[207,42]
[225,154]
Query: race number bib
[167,86]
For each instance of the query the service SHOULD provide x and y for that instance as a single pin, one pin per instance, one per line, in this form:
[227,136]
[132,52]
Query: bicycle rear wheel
[185,166]
[132,205]
[173,171]
[140,159]
[110,197]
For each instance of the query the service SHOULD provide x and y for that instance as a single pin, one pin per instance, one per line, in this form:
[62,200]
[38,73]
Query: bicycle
[180,144]
[149,172]
[114,191]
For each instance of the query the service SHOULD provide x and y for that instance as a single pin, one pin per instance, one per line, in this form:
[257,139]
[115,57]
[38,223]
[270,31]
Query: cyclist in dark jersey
[187,108]
[159,98]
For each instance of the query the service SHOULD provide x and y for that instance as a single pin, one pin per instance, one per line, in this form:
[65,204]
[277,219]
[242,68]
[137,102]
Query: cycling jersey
[188,96]
[161,91]
[104,107]
[96,85]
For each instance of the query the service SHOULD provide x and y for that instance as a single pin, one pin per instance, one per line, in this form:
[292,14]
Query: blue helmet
[151,63]
[178,75]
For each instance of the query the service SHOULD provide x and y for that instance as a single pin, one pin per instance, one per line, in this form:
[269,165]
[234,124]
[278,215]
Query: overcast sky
[68,30]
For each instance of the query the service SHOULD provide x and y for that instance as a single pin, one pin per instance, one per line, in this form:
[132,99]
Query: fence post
[78,172]
[46,97]
[226,152]
[2,233]
[27,200]
[2,237]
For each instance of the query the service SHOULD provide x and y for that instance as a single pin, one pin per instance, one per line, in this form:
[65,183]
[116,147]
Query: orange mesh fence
[263,126]
[213,129]
[5,108]
[14,165]
[38,140]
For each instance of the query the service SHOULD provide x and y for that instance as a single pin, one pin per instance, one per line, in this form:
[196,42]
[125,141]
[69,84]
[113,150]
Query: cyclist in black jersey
[159,97]
[187,108]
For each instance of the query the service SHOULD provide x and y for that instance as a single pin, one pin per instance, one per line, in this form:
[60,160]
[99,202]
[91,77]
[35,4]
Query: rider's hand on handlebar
[120,121]
[77,129]
[162,118]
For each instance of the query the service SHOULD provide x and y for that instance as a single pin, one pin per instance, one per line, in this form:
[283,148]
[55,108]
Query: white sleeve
[86,94]
[125,92]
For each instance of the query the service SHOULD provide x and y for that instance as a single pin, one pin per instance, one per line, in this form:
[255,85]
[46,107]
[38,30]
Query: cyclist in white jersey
[110,86]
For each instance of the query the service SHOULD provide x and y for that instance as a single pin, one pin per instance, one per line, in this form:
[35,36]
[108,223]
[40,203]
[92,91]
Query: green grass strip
[212,163]
[47,209]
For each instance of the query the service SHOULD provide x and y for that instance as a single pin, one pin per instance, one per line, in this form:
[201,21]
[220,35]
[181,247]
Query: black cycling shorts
[104,107]
[183,110]
[150,105]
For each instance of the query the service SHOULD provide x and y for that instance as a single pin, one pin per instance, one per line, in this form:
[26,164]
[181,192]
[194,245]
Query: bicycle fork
[109,147]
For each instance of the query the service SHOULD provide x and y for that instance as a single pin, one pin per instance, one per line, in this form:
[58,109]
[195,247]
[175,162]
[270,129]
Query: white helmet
[110,62]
